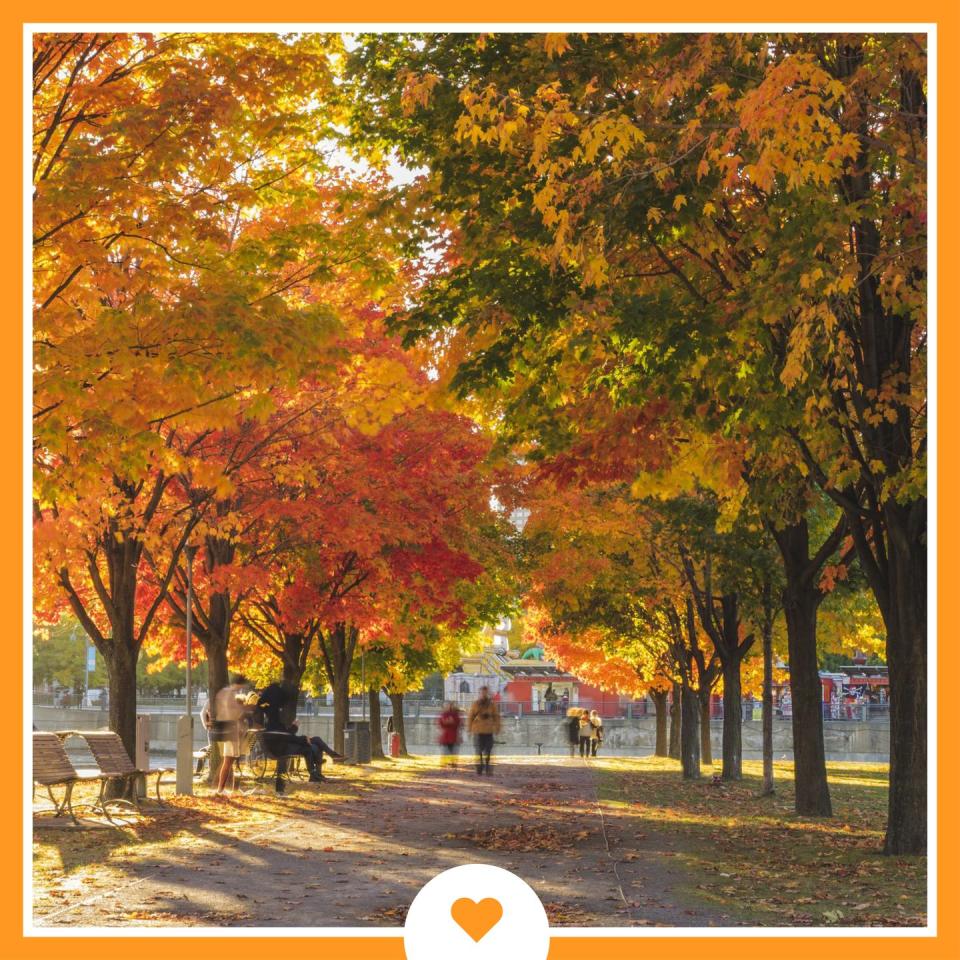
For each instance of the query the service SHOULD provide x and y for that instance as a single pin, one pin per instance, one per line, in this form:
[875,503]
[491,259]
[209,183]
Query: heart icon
[477,919]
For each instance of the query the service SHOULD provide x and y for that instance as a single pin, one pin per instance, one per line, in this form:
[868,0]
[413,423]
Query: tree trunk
[218,676]
[907,659]
[732,720]
[690,733]
[801,599]
[675,722]
[121,661]
[396,702]
[706,747]
[337,649]
[376,731]
[291,678]
[341,709]
[767,787]
[812,792]
[659,698]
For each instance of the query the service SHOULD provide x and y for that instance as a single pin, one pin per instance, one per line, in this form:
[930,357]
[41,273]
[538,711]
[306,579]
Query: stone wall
[852,740]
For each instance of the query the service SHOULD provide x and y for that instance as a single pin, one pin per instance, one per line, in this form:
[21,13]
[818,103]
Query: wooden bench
[115,763]
[52,768]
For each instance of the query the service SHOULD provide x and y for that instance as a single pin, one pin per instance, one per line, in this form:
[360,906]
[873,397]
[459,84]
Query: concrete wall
[852,740]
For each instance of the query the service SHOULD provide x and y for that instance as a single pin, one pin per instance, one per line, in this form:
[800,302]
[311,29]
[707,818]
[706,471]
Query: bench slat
[109,752]
[51,765]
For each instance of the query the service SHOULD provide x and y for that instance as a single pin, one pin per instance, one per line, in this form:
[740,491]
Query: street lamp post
[185,723]
[190,551]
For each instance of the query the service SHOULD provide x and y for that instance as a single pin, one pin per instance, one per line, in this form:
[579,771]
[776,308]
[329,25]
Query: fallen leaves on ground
[521,838]
[755,855]
[566,915]
[389,916]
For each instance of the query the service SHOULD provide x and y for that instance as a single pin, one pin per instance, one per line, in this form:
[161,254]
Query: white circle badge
[476,912]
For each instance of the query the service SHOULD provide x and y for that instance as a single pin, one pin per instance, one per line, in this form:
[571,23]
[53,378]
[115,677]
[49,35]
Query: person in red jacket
[449,722]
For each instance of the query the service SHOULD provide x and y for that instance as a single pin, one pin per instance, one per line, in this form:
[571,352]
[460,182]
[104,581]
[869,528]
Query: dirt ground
[355,850]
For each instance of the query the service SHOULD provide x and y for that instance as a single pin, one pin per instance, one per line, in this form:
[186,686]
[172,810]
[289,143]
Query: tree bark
[907,659]
[218,676]
[337,649]
[690,733]
[396,703]
[801,599]
[675,722]
[732,720]
[121,663]
[294,663]
[376,731]
[341,710]
[659,698]
[706,747]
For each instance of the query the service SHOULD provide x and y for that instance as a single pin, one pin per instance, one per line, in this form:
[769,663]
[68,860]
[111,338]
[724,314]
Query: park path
[361,859]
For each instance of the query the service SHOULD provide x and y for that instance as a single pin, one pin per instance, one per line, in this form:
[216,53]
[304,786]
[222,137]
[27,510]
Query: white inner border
[930,29]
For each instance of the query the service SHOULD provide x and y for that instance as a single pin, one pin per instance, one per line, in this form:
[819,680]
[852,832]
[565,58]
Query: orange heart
[477,919]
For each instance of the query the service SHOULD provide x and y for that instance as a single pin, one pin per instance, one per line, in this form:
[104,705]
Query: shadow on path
[360,858]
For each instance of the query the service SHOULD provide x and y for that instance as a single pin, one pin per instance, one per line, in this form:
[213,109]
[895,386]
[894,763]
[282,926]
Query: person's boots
[279,784]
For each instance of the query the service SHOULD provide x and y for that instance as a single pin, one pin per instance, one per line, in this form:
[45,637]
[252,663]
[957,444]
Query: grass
[754,854]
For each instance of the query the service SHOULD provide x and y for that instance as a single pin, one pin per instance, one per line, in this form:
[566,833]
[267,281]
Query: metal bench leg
[130,789]
[57,804]
[68,804]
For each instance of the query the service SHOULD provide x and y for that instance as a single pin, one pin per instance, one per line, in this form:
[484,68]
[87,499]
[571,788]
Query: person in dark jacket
[281,739]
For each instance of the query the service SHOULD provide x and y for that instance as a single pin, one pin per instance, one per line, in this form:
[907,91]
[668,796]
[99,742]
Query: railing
[417,707]
[413,707]
[856,711]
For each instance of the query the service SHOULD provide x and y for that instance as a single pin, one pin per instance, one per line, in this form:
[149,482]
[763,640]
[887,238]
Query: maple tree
[739,216]
[182,218]
[374,525]
[617,587]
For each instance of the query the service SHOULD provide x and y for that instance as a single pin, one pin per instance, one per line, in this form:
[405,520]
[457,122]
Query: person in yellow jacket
[483,722]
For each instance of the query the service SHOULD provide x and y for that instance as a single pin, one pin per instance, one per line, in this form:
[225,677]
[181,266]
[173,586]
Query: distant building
[525,683]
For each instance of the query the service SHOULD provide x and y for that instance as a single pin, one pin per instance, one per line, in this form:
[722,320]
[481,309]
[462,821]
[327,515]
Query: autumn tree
[725,211]
[171,295]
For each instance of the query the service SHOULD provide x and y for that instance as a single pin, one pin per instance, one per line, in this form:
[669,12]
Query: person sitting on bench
[280,737]
[320,746]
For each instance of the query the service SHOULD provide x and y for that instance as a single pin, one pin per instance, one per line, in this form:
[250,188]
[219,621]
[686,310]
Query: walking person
[596,732]
[449,722]
[572,723]
[484,722]
[225,729]
[583,733]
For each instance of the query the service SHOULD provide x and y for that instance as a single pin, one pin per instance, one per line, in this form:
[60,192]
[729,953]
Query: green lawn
[754,854]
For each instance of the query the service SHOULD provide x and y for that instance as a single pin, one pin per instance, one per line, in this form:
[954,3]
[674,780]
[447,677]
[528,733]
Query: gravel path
[360,858]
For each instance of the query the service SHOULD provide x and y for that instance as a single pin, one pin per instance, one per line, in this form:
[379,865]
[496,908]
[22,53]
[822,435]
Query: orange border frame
[945,13]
